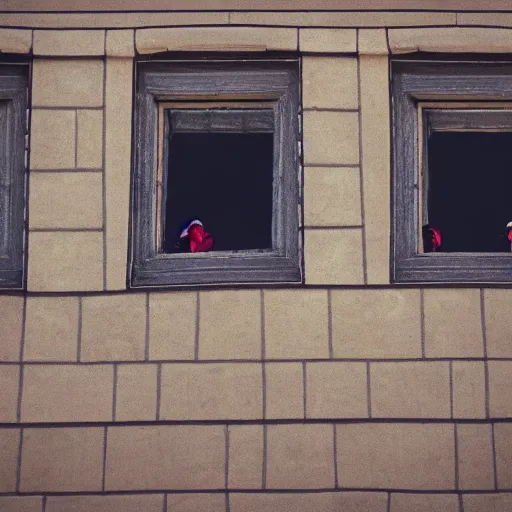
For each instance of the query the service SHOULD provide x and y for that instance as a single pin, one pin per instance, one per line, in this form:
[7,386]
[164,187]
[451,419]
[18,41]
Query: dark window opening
[222,178]
[469,184]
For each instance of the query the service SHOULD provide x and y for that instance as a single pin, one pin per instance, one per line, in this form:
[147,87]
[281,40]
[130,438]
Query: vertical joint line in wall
[104,174]
[158,389]
[329,322]
[76,138]
[461,502]
[21,364]
[18,466]
[361,172]
[387,43]
[165,496]
[264,465]
[79,334]
[456,449]
[228,505]
[494,463]
[44,503]
[450,370]
[198,315]
[304,395]
[263,365]
[422,322]
[388,504]
[368,389]
[486,363]
[147,332]
[103,476]
[335,455]
[114,393]
[226,462]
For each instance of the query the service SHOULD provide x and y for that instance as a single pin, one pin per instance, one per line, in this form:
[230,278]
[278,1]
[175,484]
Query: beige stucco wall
[345,393]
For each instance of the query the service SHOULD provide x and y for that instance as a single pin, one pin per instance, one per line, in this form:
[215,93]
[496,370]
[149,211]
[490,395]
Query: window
[13,134]
[452,170]
[216,146]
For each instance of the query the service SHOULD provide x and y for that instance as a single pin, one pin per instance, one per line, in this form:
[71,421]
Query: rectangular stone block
[211,391]
[114,327]
[173,457]
[503,448]
[11,307]
[450,39]
[230,324]
[375,148]
[62,459]
[136,392]
[453,325]
[215,39]
[53,393]
[332,196]
[424,502]
[15,40]
[65,261]
[498,324]
[245,457]
[21,503]
[468,389]
[89,151]
[307,502]
[501,502]
[501,19]
[376,324]
[127,503]
[118,144]
[192,502]
[67,83]
[476,471]
[500,382]
[318,40]
[172,325]
[333,256]
[336,390]
[331,138]
[296,324]
[300,457]
[65,43]
[329,82]
[396,456]
[9,443]
[410,390]
[120,43]
[52,139]
[51,329]
[372,41]
[284,390]
[71,200]
[9,385]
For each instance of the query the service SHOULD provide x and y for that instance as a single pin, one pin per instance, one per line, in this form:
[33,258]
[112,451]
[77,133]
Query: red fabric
[436,239]
[199,239]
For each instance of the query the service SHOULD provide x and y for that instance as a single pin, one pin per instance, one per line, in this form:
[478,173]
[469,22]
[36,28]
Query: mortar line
[494,462]
[388,504]
[456,449]
[79,333]
[196,337]
[335,454]
[450,369]
[103,166]
[304,387]
[461,502]
[228,505]
[263,365]
[361,173]
[18,462]
[264,466]
[486,362]
[147,332]
[165,496]
[21,357]
[158,390]
[76,138]
[422,322]
[226,454]
[103,477]
[44,503]
[369,389]
[114,393]
[329,323]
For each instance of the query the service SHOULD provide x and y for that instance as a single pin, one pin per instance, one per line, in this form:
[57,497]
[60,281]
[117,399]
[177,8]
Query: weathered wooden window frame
[416,85]
[251,82]
[13,169]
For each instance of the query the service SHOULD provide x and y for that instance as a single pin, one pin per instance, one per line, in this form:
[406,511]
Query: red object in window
[431,239]
[198,239]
